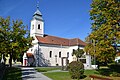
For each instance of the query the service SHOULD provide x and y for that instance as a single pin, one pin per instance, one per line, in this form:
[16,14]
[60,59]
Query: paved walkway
[31,74]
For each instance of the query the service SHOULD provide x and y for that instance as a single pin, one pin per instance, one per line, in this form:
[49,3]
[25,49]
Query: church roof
[47,39]
[118,54]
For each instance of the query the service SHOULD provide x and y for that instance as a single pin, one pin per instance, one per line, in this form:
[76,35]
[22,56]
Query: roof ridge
[57,37]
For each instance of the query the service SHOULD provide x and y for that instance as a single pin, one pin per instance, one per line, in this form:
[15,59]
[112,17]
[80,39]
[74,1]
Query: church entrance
[65,63]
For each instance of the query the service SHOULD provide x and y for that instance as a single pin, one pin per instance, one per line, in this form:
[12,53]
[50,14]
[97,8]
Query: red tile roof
[29,55]
[118,54]
[60,41]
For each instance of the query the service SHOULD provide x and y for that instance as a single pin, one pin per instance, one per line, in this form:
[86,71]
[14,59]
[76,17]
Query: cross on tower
[37,4]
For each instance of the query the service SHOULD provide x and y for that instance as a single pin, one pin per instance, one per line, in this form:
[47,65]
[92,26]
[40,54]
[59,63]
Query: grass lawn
[66,75]
[58,75]
[12,74]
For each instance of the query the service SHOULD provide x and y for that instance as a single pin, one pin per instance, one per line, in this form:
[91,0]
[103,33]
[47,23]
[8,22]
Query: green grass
[89,72]
[45,69]
[58,75]
[12,74]
[62,75]
[66,75]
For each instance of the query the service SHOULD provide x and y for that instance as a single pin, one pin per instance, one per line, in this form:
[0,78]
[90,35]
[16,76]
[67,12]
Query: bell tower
[37,24]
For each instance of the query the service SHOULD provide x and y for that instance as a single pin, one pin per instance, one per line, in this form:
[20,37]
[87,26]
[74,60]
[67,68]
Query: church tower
[37,24]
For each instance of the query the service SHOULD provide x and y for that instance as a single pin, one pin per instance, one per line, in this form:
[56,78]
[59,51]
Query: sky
[62,18]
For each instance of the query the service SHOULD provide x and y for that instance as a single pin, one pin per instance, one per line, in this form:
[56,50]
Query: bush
[115,74]
[115,67]
[76,69]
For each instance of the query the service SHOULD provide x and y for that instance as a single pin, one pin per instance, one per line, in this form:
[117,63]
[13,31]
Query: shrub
[115,67]
[76,69]
[115,74]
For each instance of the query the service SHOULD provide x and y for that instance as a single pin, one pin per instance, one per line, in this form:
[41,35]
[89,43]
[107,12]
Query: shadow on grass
[111,70]
[12,74]
[105,71]
[82,77]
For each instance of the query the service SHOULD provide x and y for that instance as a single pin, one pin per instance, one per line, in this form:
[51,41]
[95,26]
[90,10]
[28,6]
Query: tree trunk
[98,66]
[77,58]
[10,60]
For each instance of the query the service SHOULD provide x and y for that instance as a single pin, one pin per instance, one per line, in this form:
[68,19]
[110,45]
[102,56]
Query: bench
[98,77]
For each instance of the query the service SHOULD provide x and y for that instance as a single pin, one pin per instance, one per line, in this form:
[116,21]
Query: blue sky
[63,18]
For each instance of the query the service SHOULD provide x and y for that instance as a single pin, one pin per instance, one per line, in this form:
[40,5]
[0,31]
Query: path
[31,74]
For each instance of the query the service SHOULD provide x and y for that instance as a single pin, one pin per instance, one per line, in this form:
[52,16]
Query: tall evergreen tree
[105,34]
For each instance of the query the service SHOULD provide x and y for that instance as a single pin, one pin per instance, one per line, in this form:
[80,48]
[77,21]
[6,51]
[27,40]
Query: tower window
[32,26]
[59,54]
[50,54]
[38,26]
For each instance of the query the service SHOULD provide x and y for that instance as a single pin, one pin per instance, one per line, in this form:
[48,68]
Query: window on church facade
[73,52]
[50,54]
[67,54]
[38,26]
[59,54]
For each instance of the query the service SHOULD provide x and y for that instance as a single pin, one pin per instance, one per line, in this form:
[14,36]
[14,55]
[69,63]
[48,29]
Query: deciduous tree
[105,34]
[78,53]
[14,38]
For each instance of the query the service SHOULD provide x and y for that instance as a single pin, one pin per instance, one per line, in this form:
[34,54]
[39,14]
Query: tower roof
[37,14]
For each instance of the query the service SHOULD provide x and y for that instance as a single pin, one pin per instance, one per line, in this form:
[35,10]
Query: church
[48,50]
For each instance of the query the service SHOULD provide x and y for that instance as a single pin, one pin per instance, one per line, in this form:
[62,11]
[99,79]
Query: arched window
[32,27]
[67,54]
[38,26]
[50,54]
[59,54]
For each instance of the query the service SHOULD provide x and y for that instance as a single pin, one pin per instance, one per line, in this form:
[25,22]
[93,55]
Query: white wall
[45,50]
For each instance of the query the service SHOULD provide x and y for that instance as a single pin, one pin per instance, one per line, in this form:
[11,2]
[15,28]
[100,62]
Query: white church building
[50,50]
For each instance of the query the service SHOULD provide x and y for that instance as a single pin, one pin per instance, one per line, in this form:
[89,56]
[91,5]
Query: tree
[14,38]
[105,34]
[4,31]
[78,53]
